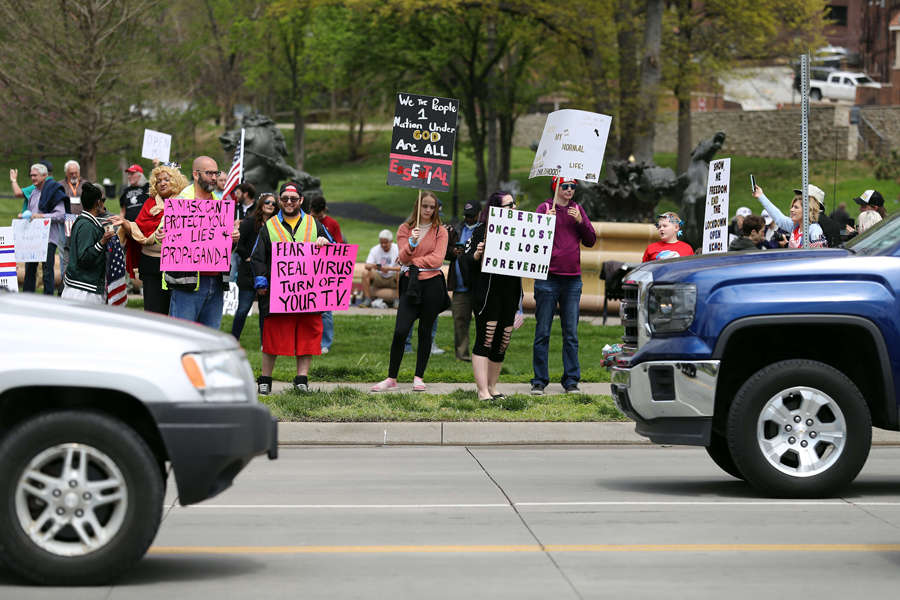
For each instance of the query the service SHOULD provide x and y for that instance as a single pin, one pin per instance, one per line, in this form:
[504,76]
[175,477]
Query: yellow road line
[168,550]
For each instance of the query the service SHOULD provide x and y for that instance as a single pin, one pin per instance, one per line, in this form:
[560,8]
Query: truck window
[847,81]
[879,239]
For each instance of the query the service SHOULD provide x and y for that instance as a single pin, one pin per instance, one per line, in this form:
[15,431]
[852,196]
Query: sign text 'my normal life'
[310,278]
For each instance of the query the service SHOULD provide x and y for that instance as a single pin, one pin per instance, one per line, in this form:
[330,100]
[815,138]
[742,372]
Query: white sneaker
[378,303]
[436,350]
[324,350]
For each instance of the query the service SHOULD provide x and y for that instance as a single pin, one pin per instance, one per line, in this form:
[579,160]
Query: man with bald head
[199,296]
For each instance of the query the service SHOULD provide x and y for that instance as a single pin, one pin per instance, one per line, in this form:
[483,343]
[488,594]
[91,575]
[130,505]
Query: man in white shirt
[381,267]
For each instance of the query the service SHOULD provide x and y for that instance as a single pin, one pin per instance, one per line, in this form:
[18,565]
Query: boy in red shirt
[668,246]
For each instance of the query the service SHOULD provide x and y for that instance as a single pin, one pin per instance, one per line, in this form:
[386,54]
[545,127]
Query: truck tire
[798,429]
[815,94]
[721,455]
[82,498]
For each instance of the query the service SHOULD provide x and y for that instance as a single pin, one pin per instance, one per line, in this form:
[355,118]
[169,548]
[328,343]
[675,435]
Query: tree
[75,85]
[702,40]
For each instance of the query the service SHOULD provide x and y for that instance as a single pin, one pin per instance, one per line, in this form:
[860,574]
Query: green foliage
[885,168]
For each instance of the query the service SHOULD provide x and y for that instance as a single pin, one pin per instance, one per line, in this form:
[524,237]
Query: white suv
[94,402]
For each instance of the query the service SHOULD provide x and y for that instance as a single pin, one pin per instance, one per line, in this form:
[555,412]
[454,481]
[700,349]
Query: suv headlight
[670,308]
[220,376]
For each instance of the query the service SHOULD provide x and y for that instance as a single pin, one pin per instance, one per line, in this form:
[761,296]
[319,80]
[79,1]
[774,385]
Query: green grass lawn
[349,405]
[362,344]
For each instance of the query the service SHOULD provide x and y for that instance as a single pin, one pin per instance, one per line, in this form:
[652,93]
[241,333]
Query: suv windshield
[879,239]
[862,80]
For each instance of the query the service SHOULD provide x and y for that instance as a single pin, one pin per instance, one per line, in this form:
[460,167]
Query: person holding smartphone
[562,286]
[459,280]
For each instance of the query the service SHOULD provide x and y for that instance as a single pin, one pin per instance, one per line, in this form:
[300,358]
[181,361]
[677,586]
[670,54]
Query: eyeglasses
[207,173]
[567,186]
[510,205]
[290,199]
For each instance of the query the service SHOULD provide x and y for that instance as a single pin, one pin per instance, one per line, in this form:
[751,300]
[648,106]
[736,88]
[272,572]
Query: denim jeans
[566,291]
[203,306]
[245,303]
[30,283]
[235,262]
[63,263]
[408,347]
[327,329]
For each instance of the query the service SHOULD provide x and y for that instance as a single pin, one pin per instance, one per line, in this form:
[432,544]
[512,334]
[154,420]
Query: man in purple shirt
[53,209]
[562,286]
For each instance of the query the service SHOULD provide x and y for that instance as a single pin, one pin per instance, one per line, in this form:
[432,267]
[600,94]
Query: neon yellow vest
[279,233]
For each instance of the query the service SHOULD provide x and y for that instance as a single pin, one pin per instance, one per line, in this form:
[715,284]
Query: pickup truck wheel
[799,428]
[815,94]
[721,455]
[81,498]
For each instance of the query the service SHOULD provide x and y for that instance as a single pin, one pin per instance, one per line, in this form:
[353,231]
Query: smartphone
[752,184]
[460,244]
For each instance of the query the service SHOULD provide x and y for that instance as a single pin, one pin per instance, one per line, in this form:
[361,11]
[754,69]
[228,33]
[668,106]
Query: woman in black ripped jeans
[496,304]
[423,290]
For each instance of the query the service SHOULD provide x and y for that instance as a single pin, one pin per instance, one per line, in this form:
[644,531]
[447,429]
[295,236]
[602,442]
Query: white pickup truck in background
[837,85]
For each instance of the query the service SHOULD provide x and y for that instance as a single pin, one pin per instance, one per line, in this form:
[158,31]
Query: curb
[463,433]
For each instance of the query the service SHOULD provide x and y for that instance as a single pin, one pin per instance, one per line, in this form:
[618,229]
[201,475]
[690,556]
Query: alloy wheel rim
[801,431]
[71,499]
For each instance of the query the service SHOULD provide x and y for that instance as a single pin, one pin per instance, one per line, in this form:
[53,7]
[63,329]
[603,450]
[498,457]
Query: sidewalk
[472,433]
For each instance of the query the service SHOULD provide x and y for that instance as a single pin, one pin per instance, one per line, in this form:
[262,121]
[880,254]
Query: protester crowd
[407,274]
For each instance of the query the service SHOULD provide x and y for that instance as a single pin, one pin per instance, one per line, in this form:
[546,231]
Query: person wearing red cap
[286,334]
[135,194]
[562,286]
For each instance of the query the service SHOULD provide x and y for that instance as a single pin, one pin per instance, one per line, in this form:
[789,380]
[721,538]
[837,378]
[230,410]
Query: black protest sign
[422,142]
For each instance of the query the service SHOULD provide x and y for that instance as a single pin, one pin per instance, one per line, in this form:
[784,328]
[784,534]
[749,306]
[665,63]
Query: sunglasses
[567,186]
[269,202]
[290,199]
[508,205]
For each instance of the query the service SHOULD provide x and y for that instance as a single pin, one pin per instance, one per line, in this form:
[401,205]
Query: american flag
[237,169]
[116,278]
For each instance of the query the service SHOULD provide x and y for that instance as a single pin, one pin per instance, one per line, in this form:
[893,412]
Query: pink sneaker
[418,384]
[383,386]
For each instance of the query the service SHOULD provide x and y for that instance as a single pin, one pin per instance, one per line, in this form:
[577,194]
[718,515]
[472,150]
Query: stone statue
[631,193]
[264,152]
[693,200]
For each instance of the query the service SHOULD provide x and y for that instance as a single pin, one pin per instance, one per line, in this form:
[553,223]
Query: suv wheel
[799,428]
[82,498]
[721,455]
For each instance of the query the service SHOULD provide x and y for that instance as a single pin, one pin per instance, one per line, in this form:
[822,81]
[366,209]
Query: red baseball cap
[134,169]
[557,180]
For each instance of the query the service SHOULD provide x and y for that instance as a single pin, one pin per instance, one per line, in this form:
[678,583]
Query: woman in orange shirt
[423,289]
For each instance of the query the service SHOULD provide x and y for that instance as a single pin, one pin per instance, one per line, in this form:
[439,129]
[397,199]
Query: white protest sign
[715,221]
[518,243]
[230,304]
[31,238]
[572,145]
[8,279]
[156,145]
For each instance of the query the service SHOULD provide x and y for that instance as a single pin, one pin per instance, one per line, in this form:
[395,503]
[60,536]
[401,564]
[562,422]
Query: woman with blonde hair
[166,181]
[794,223]
[423,290]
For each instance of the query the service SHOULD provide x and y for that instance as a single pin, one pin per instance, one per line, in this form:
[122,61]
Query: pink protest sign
[198,235]
[310,278]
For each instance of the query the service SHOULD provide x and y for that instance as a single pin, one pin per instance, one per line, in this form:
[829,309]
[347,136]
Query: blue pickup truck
[779,362]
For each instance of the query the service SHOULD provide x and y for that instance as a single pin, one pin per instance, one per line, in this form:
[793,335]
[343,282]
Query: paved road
[583,522]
